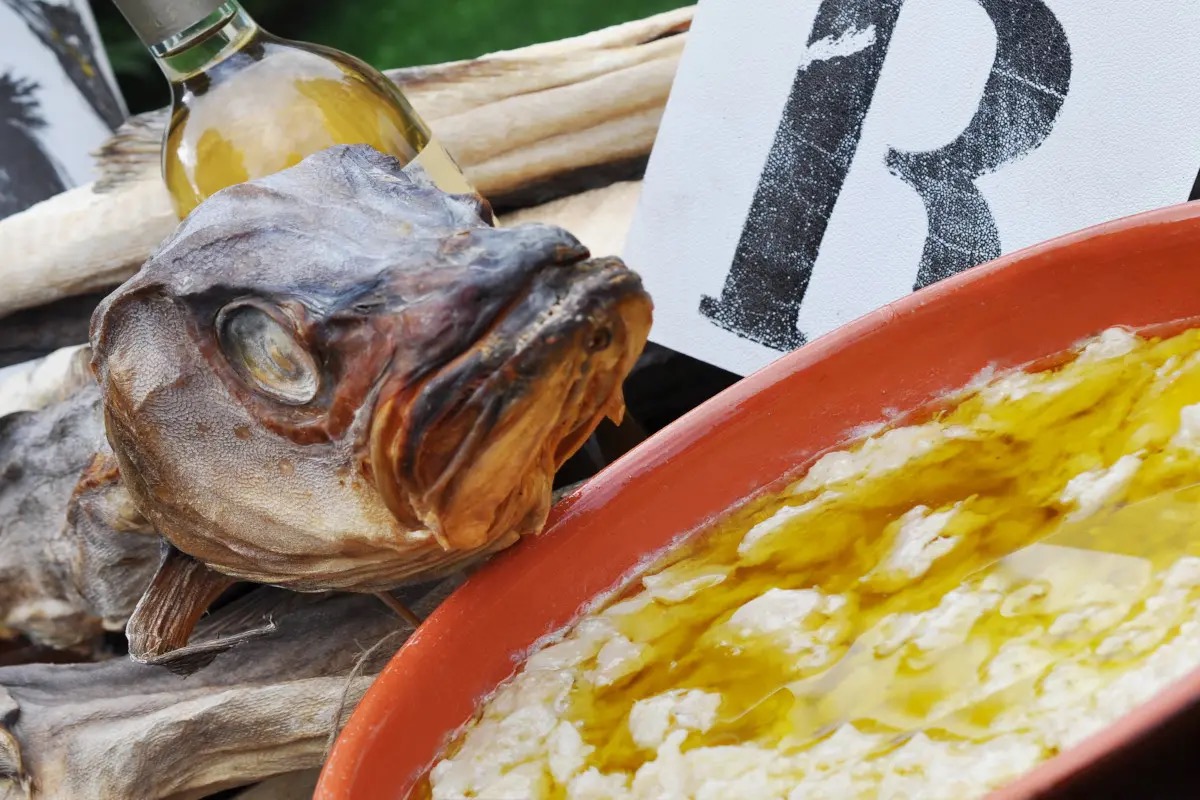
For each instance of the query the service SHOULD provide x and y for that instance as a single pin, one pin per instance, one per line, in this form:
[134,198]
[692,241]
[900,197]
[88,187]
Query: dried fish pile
[557,133]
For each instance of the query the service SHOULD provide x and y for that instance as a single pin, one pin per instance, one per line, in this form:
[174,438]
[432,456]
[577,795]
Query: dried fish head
[340,377]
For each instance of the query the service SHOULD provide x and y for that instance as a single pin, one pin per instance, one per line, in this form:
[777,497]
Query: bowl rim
[354,742]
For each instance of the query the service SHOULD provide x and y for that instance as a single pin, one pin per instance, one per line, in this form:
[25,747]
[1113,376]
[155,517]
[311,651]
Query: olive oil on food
[964,581]
[245,104]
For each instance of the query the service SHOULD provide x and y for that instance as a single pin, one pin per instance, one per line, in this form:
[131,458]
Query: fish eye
[266,354]
[601,339]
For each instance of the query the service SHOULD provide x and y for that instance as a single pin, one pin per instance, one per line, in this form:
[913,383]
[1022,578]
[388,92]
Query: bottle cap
[155,21]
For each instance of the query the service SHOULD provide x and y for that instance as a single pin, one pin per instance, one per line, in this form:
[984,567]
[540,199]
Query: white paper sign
[820,158]
[58,99]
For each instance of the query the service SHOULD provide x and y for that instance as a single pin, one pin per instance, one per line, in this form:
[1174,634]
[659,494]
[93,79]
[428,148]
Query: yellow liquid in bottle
[271,103]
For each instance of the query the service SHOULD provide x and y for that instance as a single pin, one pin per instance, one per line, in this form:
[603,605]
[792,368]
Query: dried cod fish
[118,729]
[340,377]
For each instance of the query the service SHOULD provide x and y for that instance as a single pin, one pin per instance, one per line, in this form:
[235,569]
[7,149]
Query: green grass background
[385,33]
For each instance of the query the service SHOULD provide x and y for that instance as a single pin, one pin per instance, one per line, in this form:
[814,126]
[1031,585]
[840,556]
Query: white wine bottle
[245,104]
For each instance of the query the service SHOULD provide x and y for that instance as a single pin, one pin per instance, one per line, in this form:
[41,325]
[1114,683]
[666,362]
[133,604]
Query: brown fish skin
[73,556]
[339,377]
[474,447]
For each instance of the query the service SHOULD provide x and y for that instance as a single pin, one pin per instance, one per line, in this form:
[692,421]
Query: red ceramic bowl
[1137,271]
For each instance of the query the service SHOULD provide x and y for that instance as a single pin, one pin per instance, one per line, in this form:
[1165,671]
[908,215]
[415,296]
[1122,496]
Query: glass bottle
[245,104]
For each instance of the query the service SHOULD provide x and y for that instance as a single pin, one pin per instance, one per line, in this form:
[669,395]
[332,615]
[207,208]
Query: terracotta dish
[1137,271]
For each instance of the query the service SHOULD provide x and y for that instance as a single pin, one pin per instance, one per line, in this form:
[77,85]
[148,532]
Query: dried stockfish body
[74,554]
[339,377]
[119,729]
[41,548]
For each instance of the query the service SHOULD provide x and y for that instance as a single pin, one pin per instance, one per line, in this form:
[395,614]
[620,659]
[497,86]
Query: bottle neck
[202,45]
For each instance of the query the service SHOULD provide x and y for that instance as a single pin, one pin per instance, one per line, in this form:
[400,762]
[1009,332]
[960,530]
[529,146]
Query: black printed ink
[816,140]
[61,29]
[818,135]
[1022,97]
[28,172]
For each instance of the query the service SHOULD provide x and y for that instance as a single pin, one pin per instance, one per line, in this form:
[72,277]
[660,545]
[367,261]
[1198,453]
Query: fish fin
[163,620]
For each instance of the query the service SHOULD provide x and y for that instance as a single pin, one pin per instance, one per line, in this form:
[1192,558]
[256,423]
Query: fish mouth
[470,452]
